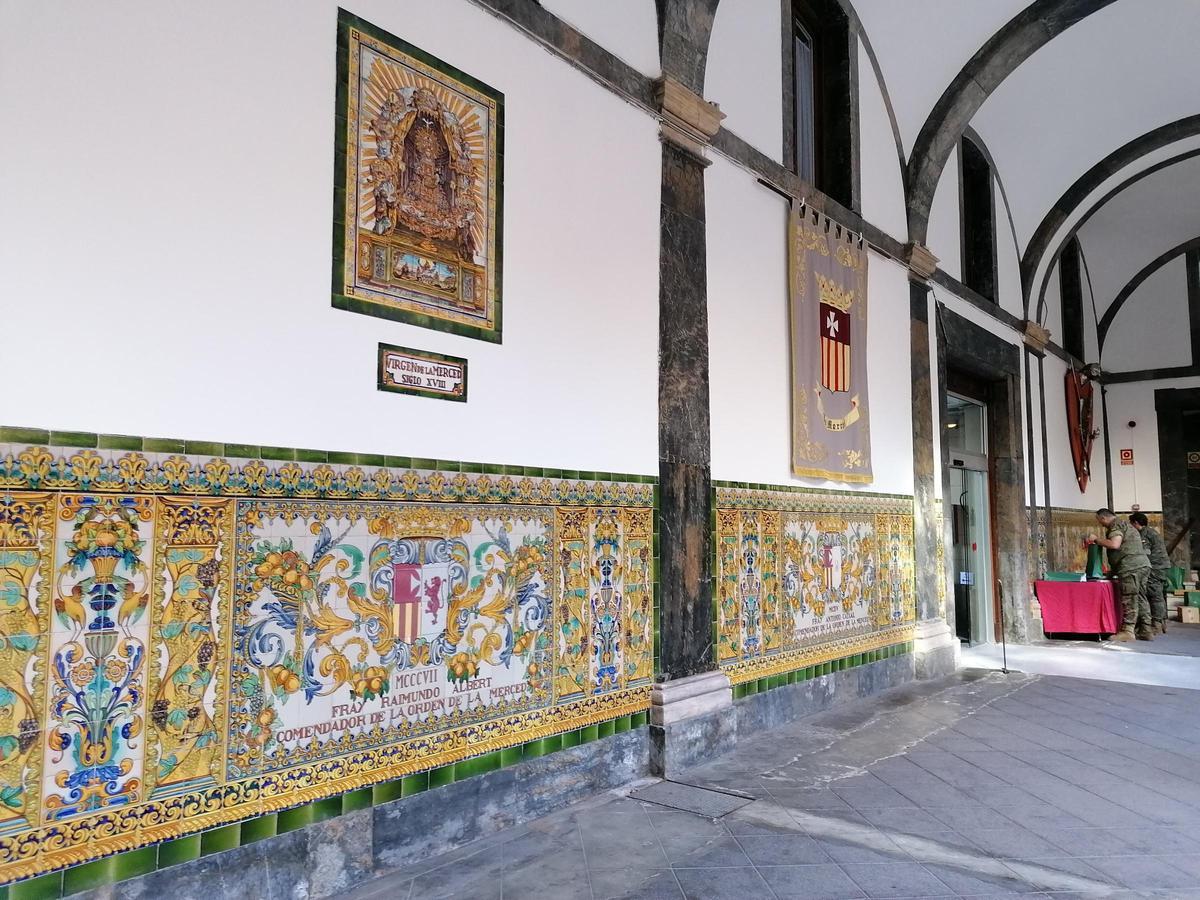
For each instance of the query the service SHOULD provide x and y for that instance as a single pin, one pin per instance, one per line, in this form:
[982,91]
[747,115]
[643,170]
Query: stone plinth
[691,719]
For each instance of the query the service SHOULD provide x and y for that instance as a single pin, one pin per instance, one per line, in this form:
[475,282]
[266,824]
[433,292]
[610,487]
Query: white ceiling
[1119,73]
[1110,78]
[916,69]
[1139,224]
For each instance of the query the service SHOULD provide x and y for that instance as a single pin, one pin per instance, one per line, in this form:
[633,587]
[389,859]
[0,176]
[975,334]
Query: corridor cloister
[623,449]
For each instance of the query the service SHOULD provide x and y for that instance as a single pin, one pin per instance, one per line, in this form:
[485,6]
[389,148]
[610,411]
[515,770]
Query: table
[1079,607]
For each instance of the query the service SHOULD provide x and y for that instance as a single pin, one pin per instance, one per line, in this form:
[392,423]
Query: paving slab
[977,786]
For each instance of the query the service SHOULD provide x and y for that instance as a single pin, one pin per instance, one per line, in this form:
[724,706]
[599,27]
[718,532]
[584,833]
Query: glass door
[970,520]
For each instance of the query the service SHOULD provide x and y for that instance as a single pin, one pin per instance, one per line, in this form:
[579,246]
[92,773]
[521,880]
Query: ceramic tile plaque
[422,373]
[192,640]
[417,205]
[805,577]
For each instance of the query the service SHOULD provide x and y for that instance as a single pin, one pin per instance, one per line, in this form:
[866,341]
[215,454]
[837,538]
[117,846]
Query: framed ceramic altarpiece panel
[418,193]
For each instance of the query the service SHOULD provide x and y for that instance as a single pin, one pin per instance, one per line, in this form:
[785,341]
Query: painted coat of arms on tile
[191,641]
[805,578]
[417,203]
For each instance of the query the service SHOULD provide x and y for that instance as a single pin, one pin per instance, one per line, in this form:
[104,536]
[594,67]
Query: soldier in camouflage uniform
[1156,586]
[1127,559]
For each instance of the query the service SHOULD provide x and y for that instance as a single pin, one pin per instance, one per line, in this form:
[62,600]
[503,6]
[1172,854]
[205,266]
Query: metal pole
[1003,639]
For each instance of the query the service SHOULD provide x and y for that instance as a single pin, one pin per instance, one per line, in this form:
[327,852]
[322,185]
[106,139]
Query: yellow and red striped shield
[835,348]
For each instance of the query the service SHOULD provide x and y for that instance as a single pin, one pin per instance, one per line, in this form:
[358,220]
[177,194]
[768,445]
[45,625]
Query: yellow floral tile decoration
[190,640]
[806,577]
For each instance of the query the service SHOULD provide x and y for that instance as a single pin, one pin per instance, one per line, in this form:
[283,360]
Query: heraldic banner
[831,434]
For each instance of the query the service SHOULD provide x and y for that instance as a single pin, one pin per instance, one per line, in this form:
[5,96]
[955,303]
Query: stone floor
[1171,659]
[978,785]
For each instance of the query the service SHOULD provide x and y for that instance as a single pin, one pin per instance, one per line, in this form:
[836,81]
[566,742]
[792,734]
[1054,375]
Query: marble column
[1172,463]
[691,711]
[936,648]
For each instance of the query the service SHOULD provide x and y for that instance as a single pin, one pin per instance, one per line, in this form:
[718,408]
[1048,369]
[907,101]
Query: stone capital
[686,119]
[919,260]
[1036,336]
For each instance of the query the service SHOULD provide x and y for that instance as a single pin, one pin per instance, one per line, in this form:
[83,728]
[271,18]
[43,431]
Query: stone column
[691,714]
[1172,463]
[936,647]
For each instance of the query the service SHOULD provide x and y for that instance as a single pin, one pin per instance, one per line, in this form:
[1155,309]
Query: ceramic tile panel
[418,188]
[804,577]
[1068,533]
[191,640]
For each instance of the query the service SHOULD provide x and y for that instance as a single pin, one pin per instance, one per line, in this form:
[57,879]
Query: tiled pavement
[980,785]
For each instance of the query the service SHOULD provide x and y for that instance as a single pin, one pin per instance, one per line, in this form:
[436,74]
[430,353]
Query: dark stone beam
[1120,159]
[1025,33]
[1151,374]
[576,48]
[616,75]
[787,183]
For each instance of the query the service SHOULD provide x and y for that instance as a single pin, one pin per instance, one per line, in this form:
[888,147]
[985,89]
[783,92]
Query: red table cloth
[1080,607]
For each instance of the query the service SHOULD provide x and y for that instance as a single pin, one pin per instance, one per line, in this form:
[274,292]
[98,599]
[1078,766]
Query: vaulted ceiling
[1075,99]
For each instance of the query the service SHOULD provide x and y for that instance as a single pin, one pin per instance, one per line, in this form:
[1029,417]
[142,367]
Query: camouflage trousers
[1156,594]
[1135,609]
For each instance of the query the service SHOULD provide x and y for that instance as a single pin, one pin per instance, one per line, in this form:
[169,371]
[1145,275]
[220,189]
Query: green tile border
[801,489]
[43,886]
[132,863]
[817,670]
[43,437]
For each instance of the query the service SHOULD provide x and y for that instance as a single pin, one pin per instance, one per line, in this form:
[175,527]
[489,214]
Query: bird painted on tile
[133,606]
[69,606]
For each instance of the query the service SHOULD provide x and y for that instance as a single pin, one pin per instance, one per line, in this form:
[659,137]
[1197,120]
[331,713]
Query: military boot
[1144,634]
[1125,634]
[1163,625]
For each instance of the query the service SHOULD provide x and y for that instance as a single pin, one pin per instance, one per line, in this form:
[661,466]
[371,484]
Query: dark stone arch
[1135,282]
[1029,30]
[1120,159]
[684,29]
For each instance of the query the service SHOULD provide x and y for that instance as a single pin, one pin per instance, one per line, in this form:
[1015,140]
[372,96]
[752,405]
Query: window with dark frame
[819,125]
[805,123]
[1070,283]
[978,221]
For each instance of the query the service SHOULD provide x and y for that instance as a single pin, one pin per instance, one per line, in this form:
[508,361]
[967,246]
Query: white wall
[1052,318]
[944,238]
[881,183]
[749,345]
[1139,483]
[166,239]
[745,72]
[1152,330]
[625,28]
[1064,489]
[1008,259]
